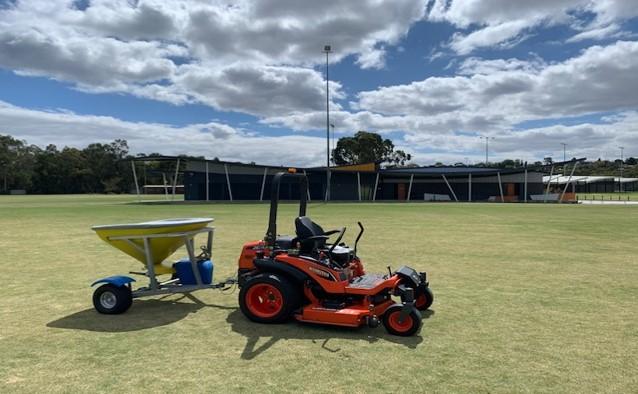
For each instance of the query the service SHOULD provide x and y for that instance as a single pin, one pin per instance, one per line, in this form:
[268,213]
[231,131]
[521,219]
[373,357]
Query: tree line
[97,168]
[103,167]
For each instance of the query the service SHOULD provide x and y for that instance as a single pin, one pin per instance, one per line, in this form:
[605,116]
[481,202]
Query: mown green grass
[529,298]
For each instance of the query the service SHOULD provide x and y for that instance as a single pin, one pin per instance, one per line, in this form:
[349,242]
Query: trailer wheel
[112,300]
[392,322]
[424,298]
[268,298]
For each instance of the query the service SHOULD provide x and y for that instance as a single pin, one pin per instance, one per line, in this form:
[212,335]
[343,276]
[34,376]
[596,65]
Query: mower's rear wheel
[410,324]
[267,298]
[424,298]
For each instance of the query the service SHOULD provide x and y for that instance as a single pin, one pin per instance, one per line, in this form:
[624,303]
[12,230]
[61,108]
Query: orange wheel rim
[264,300]
[405,325]
[421,300]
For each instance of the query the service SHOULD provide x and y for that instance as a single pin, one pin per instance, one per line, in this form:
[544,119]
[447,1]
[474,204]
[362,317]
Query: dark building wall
[630,186]
[483,187]
[246,184]
[595,187]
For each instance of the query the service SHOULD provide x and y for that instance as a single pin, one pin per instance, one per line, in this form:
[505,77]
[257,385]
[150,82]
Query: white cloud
[503,23]
[240,55]
[372,58]
[599,33]
[503,35]
[591,140]
[491,96]
[476,65]
[600,79]
[258,58]
[211,139]
[101,62]
[216,139]
[258,90]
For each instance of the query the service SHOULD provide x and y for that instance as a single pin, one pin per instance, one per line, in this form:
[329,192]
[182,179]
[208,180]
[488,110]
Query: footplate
[367,281]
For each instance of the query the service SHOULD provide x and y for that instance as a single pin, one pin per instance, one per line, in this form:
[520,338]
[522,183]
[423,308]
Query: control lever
[356,242]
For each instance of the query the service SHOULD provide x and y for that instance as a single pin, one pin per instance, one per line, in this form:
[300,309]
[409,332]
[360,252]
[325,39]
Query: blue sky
[235,79]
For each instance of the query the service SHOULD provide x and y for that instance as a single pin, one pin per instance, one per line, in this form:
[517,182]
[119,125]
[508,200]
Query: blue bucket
[184,272]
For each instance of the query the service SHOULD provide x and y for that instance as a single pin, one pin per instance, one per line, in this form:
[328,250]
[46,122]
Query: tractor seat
[306,228]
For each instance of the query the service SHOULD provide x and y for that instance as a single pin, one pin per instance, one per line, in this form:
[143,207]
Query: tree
[16,163]
[104,165]
[365,147]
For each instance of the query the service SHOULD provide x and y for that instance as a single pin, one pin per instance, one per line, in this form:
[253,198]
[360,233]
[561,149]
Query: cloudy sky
[245,80]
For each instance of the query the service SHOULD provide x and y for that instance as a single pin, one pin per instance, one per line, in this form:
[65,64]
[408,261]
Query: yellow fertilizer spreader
[151,243]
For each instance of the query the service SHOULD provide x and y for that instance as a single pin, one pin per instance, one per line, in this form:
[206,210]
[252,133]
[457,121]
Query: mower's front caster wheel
[112,300]
[410,324]
[267,298]
[424,298]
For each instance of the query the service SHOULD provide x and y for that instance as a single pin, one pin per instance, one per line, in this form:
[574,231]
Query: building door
[401,192]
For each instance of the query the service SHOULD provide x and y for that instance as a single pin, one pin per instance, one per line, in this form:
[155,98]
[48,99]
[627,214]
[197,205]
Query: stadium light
[487,145]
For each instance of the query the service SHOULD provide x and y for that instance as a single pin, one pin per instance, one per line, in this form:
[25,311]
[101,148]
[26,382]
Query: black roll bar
[271,233]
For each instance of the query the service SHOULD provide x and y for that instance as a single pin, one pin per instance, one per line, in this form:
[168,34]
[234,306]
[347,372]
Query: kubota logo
[320,272]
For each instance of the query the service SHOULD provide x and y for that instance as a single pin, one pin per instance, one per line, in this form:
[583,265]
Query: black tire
[411,324]
[112,300]
[424,298]
[289,300]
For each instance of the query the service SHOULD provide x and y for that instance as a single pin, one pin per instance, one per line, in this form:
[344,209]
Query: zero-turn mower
[313,280]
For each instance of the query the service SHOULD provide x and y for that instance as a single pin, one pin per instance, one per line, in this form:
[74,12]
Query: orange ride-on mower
[315,281]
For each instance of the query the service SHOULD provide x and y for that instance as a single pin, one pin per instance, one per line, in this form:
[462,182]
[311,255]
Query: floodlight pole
[564,151]
[327,50]
[487,146]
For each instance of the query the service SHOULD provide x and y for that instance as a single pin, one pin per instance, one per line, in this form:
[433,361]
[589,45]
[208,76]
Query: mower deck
[351,316]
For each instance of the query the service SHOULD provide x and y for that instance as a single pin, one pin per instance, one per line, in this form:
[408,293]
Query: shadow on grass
[143,314]
[314,332]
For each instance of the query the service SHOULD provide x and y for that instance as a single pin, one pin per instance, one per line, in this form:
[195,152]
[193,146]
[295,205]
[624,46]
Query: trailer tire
[112,300]
[268,298]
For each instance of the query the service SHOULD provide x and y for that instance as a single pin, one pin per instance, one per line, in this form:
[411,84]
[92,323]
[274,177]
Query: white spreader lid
[154,224]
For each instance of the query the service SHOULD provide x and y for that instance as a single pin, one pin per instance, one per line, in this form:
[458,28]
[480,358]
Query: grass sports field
[529,298]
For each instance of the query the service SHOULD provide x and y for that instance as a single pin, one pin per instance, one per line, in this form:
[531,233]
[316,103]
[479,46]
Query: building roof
[453,171]
[561,179]
[366,167]
[625,180]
